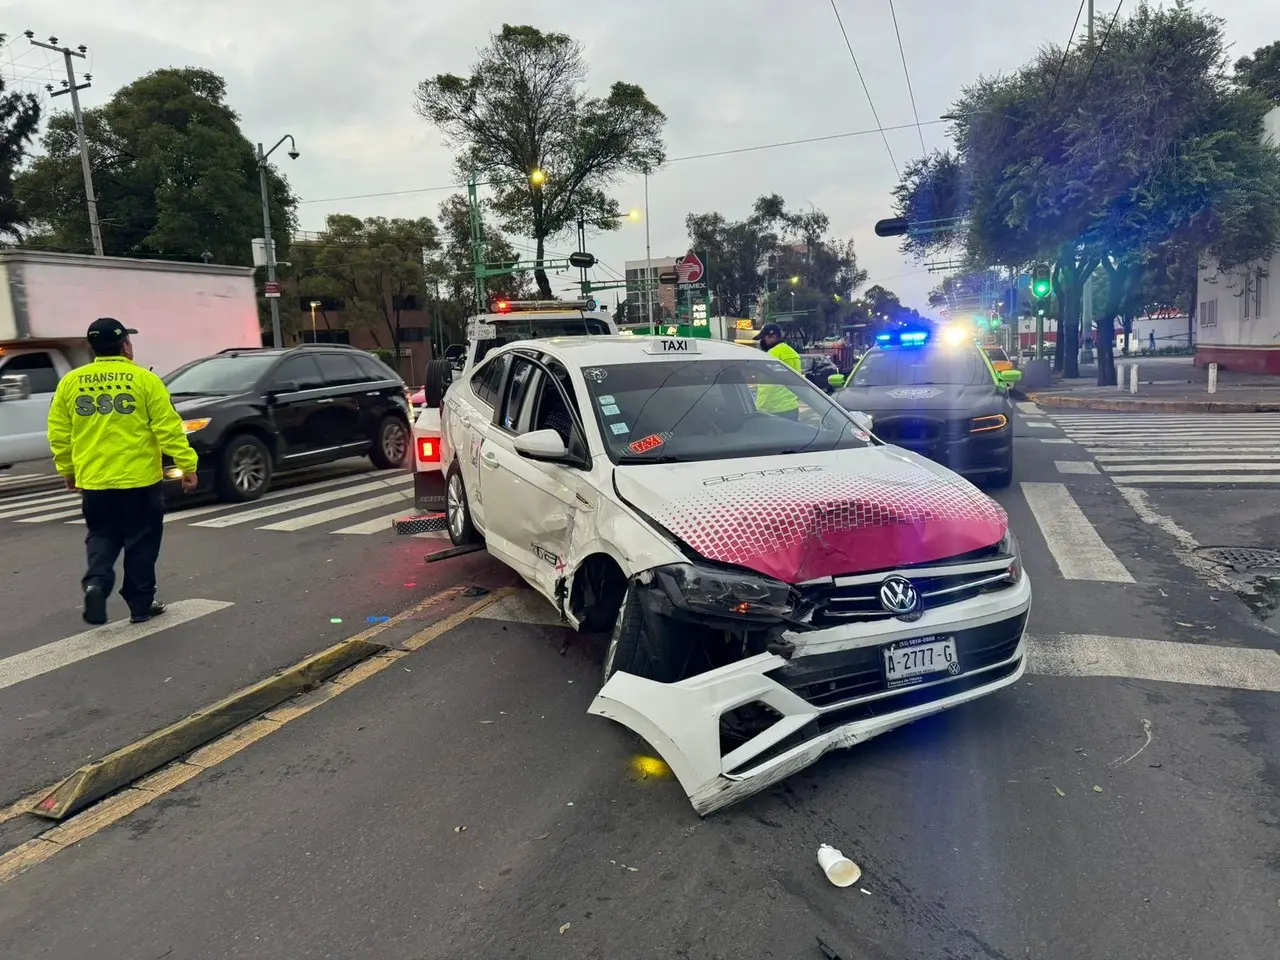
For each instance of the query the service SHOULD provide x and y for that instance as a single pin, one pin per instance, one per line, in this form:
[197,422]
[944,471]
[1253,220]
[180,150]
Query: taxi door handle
[490,459]
[325,400]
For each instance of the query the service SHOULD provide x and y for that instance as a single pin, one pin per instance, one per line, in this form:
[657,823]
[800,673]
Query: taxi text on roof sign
[665,345]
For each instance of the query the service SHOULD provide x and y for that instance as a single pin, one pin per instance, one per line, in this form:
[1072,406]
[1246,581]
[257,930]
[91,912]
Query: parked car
[776,586]
[253,413]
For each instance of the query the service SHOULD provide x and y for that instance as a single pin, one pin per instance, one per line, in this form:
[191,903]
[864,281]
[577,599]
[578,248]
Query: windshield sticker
[606,398]
[651,442]
[619,429]
[915,393]
[595,374]
[610,410]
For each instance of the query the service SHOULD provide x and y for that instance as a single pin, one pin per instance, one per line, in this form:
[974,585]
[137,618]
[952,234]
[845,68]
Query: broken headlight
[1009,548]
[709,590]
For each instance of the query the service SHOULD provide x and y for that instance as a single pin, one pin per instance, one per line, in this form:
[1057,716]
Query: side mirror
[864,421]
[543,445]
[836,381]
[15,386]
[1009,377]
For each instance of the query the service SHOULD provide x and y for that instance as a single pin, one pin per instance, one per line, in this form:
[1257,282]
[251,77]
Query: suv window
[337,369]
[486,380]
[220,375]
[300,369]
[38,368]
[373,368]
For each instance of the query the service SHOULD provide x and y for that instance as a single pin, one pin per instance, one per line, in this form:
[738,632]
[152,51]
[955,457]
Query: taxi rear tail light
[428,450]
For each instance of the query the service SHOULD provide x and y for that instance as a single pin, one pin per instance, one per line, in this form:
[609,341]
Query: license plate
[911,661]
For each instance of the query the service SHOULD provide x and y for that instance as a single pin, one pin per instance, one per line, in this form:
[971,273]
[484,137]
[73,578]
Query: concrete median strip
[168,758]
[1153,405]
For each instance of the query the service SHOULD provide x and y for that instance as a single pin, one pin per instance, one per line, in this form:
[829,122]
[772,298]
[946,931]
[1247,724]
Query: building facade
[643,287]
[1238,311]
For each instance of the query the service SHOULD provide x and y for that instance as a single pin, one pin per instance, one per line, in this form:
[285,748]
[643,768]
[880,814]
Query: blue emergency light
[903,338]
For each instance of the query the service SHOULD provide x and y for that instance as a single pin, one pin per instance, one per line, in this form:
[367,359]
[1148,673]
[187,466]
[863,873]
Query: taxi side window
[515,411]
[549,408]
[486,381]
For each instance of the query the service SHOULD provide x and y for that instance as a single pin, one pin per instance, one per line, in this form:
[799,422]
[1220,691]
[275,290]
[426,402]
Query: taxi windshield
[687,410]
[915,366]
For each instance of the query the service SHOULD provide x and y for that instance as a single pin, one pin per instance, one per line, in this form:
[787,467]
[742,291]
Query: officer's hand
[189,481]
[70,482]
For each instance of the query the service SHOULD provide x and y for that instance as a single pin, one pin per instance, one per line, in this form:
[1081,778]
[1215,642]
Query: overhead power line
[1102,43]
[874,116]
[692,156]
[907,73]
[1067,49]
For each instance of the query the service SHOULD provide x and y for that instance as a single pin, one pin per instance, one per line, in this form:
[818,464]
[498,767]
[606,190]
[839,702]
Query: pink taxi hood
[806,516]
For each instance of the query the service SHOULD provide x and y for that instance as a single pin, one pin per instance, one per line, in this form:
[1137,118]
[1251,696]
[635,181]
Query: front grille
[834,605]
[909,430]
[831,678]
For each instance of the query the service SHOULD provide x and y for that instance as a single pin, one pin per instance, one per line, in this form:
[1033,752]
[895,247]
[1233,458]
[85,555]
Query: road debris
[1146,728]
[1096,788]
[1058,790]
[840,870]
[460,829]
[563,927]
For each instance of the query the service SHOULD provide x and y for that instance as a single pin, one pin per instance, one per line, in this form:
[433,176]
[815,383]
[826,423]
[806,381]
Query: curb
[95,780]
[1150,406]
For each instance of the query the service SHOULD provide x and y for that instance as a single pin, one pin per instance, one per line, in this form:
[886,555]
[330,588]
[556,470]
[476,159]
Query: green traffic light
[1040,288]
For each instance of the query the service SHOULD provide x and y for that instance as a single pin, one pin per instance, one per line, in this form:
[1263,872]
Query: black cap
[108,330]
[769,329]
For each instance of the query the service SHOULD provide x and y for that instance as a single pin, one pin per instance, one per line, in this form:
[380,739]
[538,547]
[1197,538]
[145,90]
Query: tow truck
[508,322]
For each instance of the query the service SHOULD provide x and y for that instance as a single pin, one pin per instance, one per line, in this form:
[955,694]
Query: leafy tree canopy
[1261,72]
[1104,154]
[377,267]
[174,176]
[19,120]
[525,108]
[772,246]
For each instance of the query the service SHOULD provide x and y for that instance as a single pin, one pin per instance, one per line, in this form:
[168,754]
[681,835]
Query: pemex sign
[691,269]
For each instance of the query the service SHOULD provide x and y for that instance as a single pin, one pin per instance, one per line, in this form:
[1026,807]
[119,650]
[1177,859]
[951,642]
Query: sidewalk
[1164,386]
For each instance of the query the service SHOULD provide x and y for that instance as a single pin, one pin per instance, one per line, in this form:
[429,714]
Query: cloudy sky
[340,74]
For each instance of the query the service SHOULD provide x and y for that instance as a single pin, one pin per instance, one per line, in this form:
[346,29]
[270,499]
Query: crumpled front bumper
[682,720]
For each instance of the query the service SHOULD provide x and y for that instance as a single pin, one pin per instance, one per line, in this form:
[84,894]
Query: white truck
[511,320]
[182,311]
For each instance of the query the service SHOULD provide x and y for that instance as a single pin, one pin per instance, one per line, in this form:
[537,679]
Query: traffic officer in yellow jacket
[109,424]
[772,398]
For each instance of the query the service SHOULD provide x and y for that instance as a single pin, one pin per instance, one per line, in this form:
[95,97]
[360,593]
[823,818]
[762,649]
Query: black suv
[250,413]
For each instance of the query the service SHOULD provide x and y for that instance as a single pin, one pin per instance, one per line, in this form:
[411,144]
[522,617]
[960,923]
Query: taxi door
[532,505]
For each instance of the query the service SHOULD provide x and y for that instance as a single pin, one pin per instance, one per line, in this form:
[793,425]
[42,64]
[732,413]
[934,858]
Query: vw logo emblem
[900,598]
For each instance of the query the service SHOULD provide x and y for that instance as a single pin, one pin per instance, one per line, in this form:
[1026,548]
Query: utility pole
[1089,24]
[651,289]
[272,289]
[95,232]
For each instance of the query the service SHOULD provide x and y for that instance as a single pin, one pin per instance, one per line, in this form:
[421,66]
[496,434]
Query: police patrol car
[775,586]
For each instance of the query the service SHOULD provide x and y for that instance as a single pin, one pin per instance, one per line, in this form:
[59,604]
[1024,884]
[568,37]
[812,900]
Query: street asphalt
[461,803]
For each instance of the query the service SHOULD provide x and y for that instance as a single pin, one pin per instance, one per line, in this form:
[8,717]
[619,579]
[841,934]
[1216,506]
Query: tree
[747,255]
[1167,154]
[452,273]
[1261,72]
[174,176]
[523,109]
[376,266]
[19,120]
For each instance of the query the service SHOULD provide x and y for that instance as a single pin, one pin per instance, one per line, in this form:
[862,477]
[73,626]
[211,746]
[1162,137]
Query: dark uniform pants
[131,520]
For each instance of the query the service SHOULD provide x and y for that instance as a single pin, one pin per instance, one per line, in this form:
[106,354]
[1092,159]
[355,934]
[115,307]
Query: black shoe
[143,616]
[95,606]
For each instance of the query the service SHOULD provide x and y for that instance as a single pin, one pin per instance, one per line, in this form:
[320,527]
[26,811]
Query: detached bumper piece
[733,731]
[426,523]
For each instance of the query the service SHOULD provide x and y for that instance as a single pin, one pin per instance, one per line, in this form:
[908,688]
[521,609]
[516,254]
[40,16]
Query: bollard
[1133,378]
[1121,375]
[1213,378]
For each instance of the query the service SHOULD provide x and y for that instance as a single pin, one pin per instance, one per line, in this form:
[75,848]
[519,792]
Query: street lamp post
[273,294]
[314,304]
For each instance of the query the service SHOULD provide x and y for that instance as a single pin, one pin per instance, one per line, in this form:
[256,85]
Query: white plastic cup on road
[839,869]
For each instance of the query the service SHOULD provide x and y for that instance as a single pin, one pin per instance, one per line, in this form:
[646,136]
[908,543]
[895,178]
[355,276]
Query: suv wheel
[390,444]
[244,470]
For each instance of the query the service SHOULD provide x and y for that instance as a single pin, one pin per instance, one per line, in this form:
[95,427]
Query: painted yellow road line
[144,791]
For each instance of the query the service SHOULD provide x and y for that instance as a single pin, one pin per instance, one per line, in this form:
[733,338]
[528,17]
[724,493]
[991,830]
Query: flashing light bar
[532,306]
[903,338]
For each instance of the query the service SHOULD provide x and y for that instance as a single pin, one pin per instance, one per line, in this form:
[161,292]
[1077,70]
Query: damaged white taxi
[777,582]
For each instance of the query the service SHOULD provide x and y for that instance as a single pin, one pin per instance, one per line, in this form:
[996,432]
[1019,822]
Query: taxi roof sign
[662,346]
